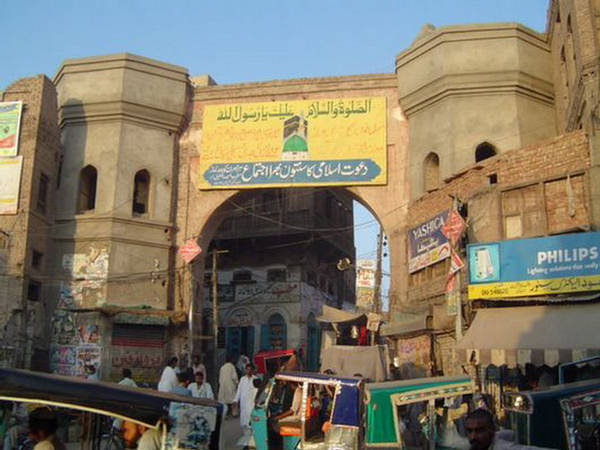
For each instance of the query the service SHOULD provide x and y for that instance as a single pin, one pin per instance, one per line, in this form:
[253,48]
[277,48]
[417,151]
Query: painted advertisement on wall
[10,182]
[10,122]
[529,267]
[426,243]
[332,142]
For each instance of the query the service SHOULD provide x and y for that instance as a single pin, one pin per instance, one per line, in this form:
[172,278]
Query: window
[37,259]
[88,179]
[141,193]
[431,172]
[276,275]
[483,151]
[241,276]
[42,193]
[34,290]
[523,212]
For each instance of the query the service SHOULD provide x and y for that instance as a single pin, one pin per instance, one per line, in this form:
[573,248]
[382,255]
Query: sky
[239,41]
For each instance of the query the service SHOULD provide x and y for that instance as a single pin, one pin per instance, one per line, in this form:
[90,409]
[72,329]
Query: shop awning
[409,325]
[549,334]
[334,315]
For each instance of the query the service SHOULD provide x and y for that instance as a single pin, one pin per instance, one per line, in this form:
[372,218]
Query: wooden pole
[215,305]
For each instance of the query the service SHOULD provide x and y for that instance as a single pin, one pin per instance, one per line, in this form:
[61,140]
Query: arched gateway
[211,157]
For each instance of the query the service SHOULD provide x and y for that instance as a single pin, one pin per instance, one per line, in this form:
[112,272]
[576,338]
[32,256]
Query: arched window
[141,193]
[88,179]
[483,151]
[431,172]
[274,333]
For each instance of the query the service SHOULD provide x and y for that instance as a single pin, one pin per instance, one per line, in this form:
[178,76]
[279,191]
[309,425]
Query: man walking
[168,379]
[245,394]
[228,382]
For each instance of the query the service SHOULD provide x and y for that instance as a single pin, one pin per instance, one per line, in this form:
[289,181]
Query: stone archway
[199,213]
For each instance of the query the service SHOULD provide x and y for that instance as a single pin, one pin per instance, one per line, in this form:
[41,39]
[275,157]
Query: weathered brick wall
[545,164]
[29,229]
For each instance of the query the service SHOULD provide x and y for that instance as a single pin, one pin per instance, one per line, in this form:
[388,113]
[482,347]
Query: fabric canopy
[549,334]
[411,325]
[334,315]
[348,360]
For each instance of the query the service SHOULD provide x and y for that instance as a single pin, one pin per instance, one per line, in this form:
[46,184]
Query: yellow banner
[293,143]
[535,287]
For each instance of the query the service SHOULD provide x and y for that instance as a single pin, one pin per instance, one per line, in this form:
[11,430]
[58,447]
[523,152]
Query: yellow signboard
[526,288]
[294,143]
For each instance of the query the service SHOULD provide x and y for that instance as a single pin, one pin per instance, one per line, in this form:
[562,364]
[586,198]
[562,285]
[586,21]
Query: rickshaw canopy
[346,405]
[261,358]
[382,398]
[144,406]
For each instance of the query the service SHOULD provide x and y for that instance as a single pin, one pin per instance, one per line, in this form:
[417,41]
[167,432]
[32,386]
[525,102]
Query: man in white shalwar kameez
[245,396]
[168,378]
[228,382]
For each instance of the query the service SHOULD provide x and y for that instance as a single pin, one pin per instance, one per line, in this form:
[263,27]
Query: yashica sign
[427,244]
[532,267]
[300,142]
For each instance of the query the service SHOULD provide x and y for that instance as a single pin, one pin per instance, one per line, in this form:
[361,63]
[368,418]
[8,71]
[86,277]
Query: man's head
[196,359]
[173,362]
[42,423]
[199,377]
[183,379]
[249,370]
[480,429]
[131,433]
[126,373]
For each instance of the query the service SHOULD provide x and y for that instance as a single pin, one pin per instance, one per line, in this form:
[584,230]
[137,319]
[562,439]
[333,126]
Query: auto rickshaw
[184,422]
[339,413]
[416,412]
[581,419]
[553,417]
[268,362]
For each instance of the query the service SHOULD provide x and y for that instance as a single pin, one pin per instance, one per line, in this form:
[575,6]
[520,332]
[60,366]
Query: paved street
[231,433]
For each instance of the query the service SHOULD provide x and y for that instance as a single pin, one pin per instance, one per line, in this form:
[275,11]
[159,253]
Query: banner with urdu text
[301,142]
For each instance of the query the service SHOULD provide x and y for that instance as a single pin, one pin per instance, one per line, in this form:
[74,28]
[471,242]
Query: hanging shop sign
[427,244]
[331,142]
[529,267]
[10,122]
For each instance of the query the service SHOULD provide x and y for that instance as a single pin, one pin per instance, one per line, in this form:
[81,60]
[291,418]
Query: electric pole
[378,273]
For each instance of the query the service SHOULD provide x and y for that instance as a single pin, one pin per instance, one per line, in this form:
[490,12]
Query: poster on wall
[427,244]
[10,182]
[10,122]
[87,355]
[332,142]
[365,283]
[540,266]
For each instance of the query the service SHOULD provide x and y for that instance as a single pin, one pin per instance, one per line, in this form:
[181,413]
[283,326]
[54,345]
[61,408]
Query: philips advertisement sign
[426,243]
[531,267]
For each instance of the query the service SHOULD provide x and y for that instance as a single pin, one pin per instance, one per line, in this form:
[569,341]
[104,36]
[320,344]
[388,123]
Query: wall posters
[301,142]
[365,283]
[426,243]
[529,267]
[10,122]
[10,182]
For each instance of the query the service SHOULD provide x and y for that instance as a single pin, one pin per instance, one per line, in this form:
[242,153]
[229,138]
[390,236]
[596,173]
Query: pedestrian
[228,382]
[168,378]
[181,388]
[200,388]
[127,380]
[245,394]
[482,433]
[197,366]
[42,428]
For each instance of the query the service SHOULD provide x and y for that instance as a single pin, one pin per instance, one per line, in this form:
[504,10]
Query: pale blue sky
[236,41]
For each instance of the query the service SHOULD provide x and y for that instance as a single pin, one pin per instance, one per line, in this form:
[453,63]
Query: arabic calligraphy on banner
[300,142]
[529,267]
[426,243]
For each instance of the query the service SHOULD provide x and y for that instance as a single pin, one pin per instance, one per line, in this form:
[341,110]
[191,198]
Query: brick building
[499,115]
